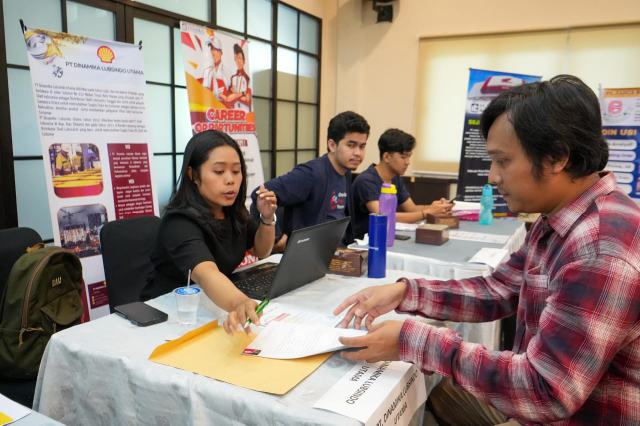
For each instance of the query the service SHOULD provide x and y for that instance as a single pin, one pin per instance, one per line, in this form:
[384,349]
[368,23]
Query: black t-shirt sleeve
[252,228]
[403,194]
[184,242]
[365,189]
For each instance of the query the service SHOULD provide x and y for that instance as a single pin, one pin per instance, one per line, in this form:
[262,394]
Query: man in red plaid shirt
[574,285]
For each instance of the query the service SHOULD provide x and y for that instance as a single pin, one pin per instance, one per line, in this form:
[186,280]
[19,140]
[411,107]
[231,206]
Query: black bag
[42,296]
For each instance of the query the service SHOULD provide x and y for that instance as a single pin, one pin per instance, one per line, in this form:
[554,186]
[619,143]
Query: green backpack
[41,297]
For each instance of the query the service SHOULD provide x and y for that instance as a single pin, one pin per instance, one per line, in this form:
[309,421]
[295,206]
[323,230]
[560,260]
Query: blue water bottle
[486,205]
[377,261]
[387,205]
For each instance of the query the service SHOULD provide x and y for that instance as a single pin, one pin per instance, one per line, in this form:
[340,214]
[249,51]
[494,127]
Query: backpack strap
[35,247]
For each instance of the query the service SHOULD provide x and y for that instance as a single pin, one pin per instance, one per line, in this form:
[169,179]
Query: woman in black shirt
[206,227]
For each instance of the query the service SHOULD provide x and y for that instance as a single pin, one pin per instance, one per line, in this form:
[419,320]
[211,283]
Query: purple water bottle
[387,205]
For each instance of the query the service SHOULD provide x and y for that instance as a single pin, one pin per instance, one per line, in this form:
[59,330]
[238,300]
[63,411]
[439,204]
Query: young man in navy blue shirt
[395,148]
[320,190]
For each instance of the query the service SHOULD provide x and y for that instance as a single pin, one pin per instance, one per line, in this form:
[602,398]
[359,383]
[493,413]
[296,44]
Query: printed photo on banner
[75,169]
[80,228]
[218,80]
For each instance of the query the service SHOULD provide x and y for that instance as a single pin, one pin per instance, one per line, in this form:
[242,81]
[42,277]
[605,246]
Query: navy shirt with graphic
[337,188]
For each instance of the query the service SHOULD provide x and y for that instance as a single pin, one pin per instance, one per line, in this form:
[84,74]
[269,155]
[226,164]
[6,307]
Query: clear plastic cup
[187,299]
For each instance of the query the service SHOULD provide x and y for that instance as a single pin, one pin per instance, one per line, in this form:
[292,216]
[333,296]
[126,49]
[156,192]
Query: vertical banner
[620,127]
[89,97]
[219,89]
[474,161]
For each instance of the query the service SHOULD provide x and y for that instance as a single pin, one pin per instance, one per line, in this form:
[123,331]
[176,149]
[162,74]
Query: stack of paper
[490,256]
[401,226]
[466,210]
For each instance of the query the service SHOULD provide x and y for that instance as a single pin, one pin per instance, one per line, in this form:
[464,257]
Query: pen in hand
[259,309]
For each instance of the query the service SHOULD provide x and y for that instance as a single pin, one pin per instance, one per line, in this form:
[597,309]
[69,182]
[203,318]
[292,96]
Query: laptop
[306,258]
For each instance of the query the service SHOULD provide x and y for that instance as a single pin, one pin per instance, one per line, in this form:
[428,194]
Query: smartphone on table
[141,314]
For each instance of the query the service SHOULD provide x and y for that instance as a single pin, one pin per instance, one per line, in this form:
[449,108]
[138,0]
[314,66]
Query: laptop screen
[306,258]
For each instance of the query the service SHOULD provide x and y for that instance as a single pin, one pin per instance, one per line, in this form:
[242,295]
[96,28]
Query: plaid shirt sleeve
[587,313]
[475,299]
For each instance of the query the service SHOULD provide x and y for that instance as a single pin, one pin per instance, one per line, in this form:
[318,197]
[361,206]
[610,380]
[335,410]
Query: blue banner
[474,162]
[621,129]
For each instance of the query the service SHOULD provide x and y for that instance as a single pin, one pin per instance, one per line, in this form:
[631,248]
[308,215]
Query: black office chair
[126,250]
[13,244]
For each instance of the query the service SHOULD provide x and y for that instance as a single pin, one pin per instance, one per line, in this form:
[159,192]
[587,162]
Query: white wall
[377,64]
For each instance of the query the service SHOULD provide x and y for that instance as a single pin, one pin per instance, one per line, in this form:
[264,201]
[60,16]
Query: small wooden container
[350,262]
[451,221]
[432,233]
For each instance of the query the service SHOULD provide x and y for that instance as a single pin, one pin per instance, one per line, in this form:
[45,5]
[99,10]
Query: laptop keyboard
[257,285]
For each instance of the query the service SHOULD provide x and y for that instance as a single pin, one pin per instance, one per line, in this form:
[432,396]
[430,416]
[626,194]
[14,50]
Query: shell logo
[105,54]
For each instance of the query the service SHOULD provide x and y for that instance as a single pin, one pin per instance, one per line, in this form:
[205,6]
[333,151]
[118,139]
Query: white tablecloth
[35,419]
[98,373]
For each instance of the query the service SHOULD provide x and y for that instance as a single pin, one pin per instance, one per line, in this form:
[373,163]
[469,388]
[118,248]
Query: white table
[98,373]
[450,261]
[34,419]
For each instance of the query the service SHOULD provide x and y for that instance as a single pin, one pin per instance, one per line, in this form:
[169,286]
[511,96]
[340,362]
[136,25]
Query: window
[593,54]
[298,69]
[284,50]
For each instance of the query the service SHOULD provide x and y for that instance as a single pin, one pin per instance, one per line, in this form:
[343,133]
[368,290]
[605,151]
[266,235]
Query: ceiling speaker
[384,8]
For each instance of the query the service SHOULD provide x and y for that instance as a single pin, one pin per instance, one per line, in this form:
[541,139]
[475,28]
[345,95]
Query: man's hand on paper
[238,316]
[381,344]
[368,304]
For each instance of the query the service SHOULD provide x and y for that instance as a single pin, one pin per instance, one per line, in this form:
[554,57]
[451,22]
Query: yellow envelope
[209,351]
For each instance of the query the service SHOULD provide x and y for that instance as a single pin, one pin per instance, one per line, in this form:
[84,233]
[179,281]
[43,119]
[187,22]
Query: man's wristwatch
[272,223]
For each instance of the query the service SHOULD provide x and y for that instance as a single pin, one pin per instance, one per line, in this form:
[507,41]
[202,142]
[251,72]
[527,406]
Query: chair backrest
[126,253]
[13,244]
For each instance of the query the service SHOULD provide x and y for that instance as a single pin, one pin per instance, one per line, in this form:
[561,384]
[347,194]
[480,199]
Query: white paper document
[11,411]
[401,226]
[477,236]
[285,313]
[465,206]
[490,256]
[385,393]
[287,340]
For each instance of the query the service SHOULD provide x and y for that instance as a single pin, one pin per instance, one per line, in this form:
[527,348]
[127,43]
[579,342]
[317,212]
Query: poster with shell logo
[219,89]
[620,109]
[90,106]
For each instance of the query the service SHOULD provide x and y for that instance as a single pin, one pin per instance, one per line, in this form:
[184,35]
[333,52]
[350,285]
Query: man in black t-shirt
[395,148]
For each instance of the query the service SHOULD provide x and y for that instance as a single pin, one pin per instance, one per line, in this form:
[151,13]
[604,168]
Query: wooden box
[432,233]
[451,221]
[346,261]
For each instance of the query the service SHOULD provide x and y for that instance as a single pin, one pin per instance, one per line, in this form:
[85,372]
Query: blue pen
[259,309]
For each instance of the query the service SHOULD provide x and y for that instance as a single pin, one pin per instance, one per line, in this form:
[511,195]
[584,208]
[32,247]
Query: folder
[210,352]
